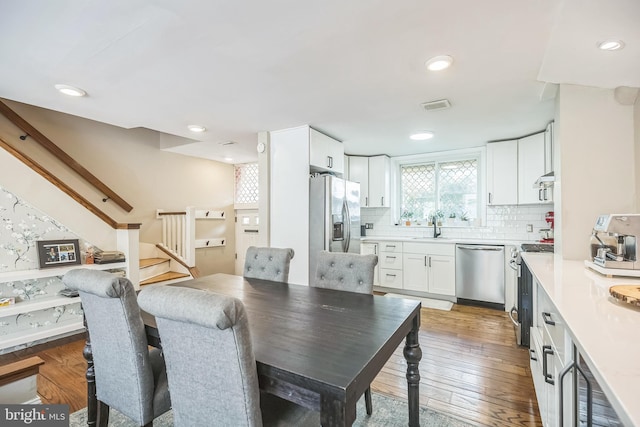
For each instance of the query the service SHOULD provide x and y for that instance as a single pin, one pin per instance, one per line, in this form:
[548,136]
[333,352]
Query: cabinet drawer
[390,278]
[391,247]
[390,260]
[429,248]
[550,323]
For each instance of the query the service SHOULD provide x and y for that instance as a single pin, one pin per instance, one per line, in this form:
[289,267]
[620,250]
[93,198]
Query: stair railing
[178,231]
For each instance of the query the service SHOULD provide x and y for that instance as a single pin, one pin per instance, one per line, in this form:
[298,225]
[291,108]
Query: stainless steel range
[522,314]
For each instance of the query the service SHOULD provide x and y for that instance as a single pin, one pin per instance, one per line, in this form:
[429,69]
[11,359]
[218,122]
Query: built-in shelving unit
[46,302]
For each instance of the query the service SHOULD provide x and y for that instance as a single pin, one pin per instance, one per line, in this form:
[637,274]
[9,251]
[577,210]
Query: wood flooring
[471,369]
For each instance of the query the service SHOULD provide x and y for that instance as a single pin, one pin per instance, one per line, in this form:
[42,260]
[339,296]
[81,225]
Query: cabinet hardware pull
[490,198]
[547,319]
[382,201]
[366,201]
[425,260]
[546,351]
[391,275]
[566,370]
[330,161]
[540,194]
[532,354]
[429,262]
[545,195]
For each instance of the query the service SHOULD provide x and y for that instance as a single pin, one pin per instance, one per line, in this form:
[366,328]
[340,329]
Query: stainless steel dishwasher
[480,275]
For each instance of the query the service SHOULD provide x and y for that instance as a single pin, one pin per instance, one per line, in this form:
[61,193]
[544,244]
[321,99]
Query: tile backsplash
[502,222]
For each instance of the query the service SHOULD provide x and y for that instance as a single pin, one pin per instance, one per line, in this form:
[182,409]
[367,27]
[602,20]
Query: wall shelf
[36,304]
[10,276]
[207,243]
[24,337]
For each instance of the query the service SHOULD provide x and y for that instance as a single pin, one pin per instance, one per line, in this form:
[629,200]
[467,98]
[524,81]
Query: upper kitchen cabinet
[502,172]
[325,153]
[531,165]
[373,174]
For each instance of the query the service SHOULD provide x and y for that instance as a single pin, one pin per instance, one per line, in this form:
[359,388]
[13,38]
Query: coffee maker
[614,241]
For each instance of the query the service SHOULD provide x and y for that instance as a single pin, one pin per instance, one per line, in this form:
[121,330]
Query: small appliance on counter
[614,241]
[546,234]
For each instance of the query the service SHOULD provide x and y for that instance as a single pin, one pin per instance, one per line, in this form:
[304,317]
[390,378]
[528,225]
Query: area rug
[387,412]
[426,302]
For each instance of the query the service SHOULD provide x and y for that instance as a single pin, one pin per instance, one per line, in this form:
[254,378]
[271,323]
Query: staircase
[157,268]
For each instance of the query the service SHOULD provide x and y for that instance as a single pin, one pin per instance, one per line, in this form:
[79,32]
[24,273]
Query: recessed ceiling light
[438,63]
[196,128]
[228,159]
[611,45]
[70,90]
[422,136]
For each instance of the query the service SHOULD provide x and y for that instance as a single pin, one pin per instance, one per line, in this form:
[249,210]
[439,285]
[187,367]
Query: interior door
[247,232]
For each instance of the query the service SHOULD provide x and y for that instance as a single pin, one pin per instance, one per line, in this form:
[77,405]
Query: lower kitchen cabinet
[429,268]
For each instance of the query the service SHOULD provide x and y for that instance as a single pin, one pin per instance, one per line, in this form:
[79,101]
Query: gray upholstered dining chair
[210,362]
[268,263]
[347,272]
[129,377]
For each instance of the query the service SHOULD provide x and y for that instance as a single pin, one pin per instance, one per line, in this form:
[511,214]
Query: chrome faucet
[436,233]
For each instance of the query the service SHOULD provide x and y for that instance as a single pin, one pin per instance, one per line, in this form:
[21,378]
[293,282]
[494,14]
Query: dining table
[319,348]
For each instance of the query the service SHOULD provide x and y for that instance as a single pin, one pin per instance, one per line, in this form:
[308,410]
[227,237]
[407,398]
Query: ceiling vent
[440,104]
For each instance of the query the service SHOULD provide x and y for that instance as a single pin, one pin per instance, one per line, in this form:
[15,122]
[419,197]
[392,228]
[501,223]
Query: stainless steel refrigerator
[334,217]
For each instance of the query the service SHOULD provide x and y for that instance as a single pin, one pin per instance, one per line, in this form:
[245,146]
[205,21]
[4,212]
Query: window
[441,188]
[246,183]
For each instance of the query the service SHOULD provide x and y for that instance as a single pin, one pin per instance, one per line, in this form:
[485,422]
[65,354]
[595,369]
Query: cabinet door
[442,274]
[367,248]
[379,175]
[325,153]
[548,148]
[530,168]
[359,172]
[502,173]
[414,271]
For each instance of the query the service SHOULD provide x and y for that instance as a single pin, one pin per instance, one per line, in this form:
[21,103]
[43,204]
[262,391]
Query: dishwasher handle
[481,248]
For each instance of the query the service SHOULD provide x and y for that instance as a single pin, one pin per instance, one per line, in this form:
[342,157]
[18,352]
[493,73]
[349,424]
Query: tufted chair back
[268,263]
[129,377]
[345,272]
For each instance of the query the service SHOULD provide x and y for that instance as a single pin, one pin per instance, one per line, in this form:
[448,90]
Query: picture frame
[58,253]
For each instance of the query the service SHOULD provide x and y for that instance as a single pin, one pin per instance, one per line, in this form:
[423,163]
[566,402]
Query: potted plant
[407,217]
[439,216]
[452,218]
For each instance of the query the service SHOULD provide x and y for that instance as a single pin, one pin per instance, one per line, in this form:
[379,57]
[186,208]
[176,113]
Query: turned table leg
[413,354]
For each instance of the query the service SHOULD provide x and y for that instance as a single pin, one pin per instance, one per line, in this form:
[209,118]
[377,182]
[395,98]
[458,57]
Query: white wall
[131,163]
[289,198]
[595,168]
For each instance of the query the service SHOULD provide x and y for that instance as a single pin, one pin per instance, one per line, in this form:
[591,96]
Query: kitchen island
[604,331]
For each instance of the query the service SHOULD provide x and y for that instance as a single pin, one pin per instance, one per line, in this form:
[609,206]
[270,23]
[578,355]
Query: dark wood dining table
[316,347]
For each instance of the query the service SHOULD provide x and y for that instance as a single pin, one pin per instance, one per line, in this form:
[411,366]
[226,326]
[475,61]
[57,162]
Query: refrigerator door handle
[347,226]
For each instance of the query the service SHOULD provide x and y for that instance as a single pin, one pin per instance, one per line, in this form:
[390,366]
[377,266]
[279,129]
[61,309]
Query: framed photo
[58,253]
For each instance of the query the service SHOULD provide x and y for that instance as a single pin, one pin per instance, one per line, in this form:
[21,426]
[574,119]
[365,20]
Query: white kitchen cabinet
[429,268]
[359,172]
[325,153]
[390,265]
[531,165]
[548,148]
[371,248]
[373,174]
[502,173]
[379,177]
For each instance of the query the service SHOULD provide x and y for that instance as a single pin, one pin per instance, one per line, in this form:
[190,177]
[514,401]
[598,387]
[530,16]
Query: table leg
[95,408]
[335,412]
[92,401]
[413,354]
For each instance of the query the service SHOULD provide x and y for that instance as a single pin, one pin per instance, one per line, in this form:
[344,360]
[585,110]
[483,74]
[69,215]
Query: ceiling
[351,69]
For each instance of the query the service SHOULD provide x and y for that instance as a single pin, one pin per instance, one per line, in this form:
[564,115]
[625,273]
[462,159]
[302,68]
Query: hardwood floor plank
[471,370]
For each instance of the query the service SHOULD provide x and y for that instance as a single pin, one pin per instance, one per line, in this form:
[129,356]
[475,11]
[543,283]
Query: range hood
[545,180]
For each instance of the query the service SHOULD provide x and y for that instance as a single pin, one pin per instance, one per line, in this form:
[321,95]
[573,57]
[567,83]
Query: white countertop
[470,241]
[605,332]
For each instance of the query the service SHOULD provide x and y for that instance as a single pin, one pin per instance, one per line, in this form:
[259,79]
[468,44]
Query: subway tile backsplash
[503,222]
